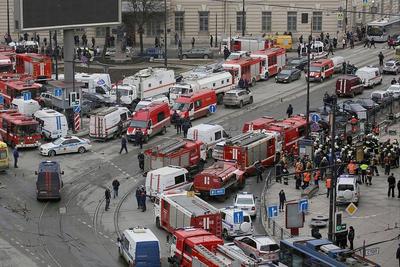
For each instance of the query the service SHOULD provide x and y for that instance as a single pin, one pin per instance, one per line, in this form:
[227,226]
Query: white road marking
[84,222]
[106,236]
[89,226]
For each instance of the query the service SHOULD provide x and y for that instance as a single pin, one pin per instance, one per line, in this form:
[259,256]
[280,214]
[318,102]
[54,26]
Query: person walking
[306,179]
[398,254]
[107,195]
[259,171]
[143,198]
[299,50]
[289,111]
[185,127]
[16,156]
[369,176]
[282,200]
[351,42]
[123,144]
[193,41]
[141,160]
[391,185]
[174,119]
[328,185]
[350,236]
[211,40]
[226,52]
[344,42]
[330,49]
[386,161]
[364,168]
[381,58]
[317,176]
[372,43]
[366,43]
[115,185]
[139,138]
[137,194]
[398,189]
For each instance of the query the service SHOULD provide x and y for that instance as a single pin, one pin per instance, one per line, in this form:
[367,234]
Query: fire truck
[19,130]
[257,124]
[245,67]
[188,154]
[176,209]
[197,247]
[248,148]
[38,66]
[249,44]
[10,89]
[217,179]
[272,61]
[6,65]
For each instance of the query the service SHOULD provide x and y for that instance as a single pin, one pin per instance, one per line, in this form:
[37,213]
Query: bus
[308,251]
[380,29]
[4,160]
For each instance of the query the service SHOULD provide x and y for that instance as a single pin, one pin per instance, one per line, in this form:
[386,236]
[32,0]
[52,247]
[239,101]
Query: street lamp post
[332,196]
[165,34]
[308,82]
[243,22]
[8,18]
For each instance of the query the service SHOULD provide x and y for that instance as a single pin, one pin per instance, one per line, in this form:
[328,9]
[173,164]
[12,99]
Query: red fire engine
[246,68]
[10,89]
[19,130]
[249,148]
[39,66]
[188,154]
[272,61]
[249,44]
[178,209]
[217,179]
[257,124]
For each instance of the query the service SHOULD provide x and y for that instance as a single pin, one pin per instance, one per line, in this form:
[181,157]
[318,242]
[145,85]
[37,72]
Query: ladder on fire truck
[243,259]
[246,138]
[210,256]
[170,146]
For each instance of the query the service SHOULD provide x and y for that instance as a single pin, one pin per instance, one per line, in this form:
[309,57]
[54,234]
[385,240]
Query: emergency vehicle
[216,180]
[197,247]
[196,105]
[37,65]
[26,107]
[321,69]
[180,209]
[209,134]
[107,123]
[11,89]
[19,130]
[6,65]
[52,124]
[151,120]
[317,50]
[151,82]
[220,82]
[257,124]
[4,160]
[188,154]
[370,76]
[249,148]
[249,44]
[246,68]
[272,61]
[349,85]
[99,83]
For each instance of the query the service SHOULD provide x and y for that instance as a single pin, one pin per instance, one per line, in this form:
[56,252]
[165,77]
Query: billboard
[68,14]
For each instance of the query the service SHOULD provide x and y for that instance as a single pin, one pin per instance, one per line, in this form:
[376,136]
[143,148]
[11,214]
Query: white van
[338,63]
[348,190]
[26,107]
[52,124]
[209,134]
[370,76]
[139,247]
[230,229]
[147,101]
[166,178]
[105,123]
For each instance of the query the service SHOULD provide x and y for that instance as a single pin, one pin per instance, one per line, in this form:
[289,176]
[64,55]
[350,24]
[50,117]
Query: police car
[233,227]
[246,202]
[64,145]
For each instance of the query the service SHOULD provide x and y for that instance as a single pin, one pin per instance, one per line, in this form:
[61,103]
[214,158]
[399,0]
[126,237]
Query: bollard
[273,228]
[281,233]
[269,223]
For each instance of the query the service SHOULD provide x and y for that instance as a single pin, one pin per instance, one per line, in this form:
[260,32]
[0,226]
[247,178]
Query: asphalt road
[77,231]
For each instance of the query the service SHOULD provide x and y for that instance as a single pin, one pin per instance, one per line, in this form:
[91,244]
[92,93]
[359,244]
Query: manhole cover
[318,223]
[320,218]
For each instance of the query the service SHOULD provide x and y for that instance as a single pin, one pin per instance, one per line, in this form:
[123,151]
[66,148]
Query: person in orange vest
[328,185]
[306,179]
[353,122]
[298,169]
[317,176]
[352,167]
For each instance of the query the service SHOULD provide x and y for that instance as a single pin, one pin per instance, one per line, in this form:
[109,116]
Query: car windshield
[295,62]
[138,124]
[180,106]
[286,72]
[179,90]
[58,141]
[230,94]
[315,69]
[344,187]
[389,64]
[27,130]
[244,201]
[268,248]
[123,92]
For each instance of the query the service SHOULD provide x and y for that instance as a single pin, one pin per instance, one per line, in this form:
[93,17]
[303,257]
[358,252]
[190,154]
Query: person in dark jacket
[139,138]
[350,236]
[381,58]
[391,185]
[398,254]
[226,52]
[141,160]
[259,171]
[185,127]
[107,195]
[16,156]
[123,144]
[143,199]
[282,200]
[394,81]
[137,194]
[398,189]
[289,111]
[241,83]
[115,185]
[175,121]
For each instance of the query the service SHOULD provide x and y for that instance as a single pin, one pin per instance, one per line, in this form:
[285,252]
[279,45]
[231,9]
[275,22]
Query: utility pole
[308,83]
[216,29]
[165,34]
[56,52]
[243,21]
[8,18]
[345,18]
[332,196]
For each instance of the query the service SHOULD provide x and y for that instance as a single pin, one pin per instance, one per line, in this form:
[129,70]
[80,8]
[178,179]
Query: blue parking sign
[303,205]
[1,100]
[238,217]
[272,211]
[212,108]
[77,109]
[57,92]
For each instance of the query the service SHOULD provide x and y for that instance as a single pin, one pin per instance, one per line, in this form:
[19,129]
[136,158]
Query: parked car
[232,228]
[237,97]
[391,66]
[64,145]
[353,109]
[368,104]
[198,53]
[394,90]
[246,202]
[287,75]
[381,97]
[262,248]
[298,63]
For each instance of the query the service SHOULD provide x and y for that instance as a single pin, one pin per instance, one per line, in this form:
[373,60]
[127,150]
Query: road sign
[351,209]
[238,217]
[339,16]
[272,211]
[341,227]
[212,108]
[303,205]
[77,109]
[57,92]
[315,117]
[315,127]
[27,95]
[371,251]
[1,100]
[217,192]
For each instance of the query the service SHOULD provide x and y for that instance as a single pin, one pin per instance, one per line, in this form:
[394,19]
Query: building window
[317,21]
[292,21]
[266,25]
[304,18]
[203,21]
[240,24]
[100,32]
[179,22]
[153,28]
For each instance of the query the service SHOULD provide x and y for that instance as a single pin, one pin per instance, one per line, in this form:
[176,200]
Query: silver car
[237,98]
[391,66]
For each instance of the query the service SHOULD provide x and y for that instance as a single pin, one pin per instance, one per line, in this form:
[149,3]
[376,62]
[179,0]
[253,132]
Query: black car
[287,75]
[298,63]
[368,104]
